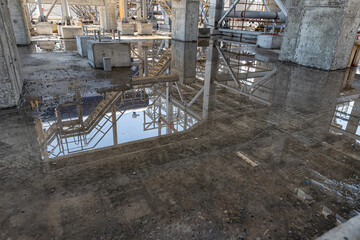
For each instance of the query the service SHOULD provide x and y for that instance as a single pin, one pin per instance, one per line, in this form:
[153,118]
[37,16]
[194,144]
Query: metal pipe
[258,14]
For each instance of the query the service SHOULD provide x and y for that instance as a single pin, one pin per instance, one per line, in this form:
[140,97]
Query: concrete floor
[187,185]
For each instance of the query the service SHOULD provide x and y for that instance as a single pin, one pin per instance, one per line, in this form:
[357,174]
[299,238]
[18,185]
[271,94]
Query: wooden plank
[356,60]
[353,51]
[248,160]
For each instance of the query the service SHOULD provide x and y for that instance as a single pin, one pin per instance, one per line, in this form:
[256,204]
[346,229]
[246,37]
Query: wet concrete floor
[275,160]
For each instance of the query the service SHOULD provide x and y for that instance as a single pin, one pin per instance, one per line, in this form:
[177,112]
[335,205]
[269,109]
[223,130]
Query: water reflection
[176,85]
[101,120]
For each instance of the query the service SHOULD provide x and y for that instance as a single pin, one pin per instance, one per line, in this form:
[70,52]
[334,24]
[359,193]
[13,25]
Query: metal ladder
[164,5]
[159,66]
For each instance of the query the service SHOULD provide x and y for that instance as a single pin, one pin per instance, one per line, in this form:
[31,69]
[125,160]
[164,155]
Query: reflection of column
[211,69]
[141,53]
[353,122]
[114,125]
[296,92]
[146,62]
[183,61]
[158,120]
[169,107]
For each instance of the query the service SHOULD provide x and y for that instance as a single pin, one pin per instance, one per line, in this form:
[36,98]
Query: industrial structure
[184,119]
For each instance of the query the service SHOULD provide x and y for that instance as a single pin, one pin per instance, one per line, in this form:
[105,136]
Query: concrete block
[107,64]
[70,31]
[144,28]
[44,28]
[127,28]
[204,33]
[148,43]
[118,52]
[270,41]
[69,45]
[82,43]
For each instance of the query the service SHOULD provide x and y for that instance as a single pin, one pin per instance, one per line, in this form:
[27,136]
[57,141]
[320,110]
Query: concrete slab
[44,28]
[347,230]
[144,28]
[269,41]
[127,28]
[118,52]
[82,43]
[70,32]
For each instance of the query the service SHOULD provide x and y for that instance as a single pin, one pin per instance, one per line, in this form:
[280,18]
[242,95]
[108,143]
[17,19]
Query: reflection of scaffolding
[156,115]
[86,134]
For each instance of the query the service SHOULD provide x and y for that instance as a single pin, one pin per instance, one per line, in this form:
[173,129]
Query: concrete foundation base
[117,51]
[70,32]
[44,28]
[204,33]
[269,41]
[82,43]
[127,28]
[165,27]
[144,28]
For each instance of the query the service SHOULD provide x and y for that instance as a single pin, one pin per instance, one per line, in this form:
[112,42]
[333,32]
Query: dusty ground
[190,185]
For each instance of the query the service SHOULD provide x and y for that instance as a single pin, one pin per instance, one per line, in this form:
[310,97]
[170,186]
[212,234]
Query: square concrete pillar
[320,34]
[44,28]
[118,52]
[82,43]
[70,32]
[11,80]
[185,20]
[19,13]
[183,61]
[127,28]
[144,28]
[270,41]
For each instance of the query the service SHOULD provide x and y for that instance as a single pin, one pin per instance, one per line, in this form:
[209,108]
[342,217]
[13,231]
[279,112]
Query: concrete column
[144,11]
[11,80]
[19,14]
[124,18]
[102,14]
[215,12]
[185,20]
[110,15]
[211,69]
[320,34]
[169,107]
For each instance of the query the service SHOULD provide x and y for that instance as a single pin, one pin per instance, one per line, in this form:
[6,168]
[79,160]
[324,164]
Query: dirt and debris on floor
[247,171]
